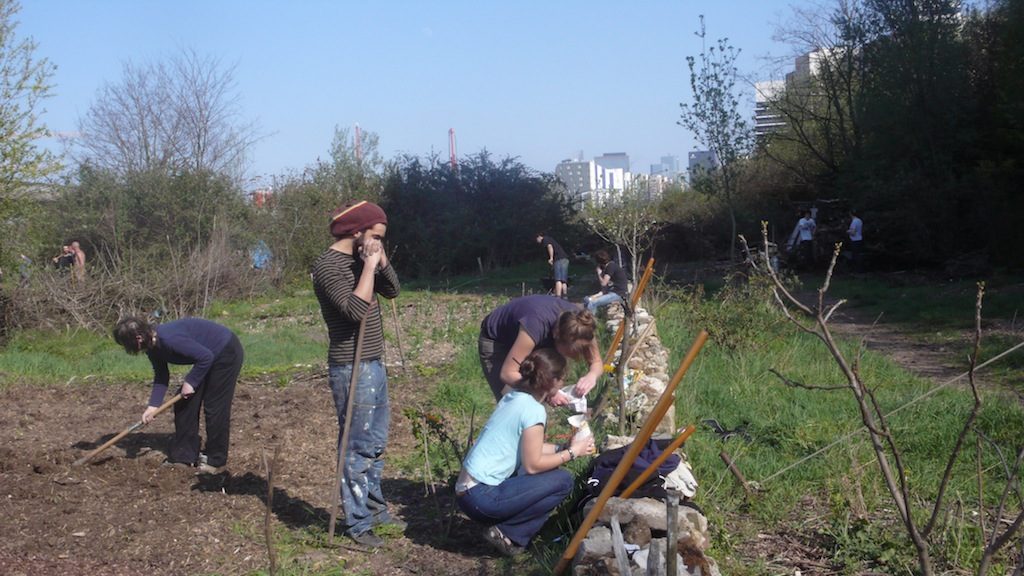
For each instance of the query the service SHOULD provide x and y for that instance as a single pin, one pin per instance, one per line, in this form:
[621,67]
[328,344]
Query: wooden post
[602,397]
[654,565]
[657,413]
[619,547]
[672,525]
[349,403]
[735,471]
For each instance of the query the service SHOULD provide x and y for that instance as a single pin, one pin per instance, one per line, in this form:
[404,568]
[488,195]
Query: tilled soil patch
[125,513]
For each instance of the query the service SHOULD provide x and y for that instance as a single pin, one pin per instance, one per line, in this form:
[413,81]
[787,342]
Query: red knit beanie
[352,218]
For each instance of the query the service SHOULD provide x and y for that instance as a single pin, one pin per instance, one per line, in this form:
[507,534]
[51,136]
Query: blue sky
[538,80]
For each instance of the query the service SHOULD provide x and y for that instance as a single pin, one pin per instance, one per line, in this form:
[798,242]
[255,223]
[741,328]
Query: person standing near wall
[512,479]
[613,282]
[346,279]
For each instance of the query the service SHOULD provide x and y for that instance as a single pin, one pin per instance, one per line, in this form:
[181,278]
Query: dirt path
[904,346]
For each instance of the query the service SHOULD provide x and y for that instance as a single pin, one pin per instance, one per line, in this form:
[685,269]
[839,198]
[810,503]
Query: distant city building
[613,161]
[766,119]
[667,167]
[579,177]
[594,179]
[805,67]
[701,161]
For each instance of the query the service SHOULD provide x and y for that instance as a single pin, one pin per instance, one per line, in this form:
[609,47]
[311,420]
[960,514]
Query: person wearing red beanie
[346,279]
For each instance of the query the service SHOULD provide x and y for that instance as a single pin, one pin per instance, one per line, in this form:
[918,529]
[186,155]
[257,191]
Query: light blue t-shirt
[495,456]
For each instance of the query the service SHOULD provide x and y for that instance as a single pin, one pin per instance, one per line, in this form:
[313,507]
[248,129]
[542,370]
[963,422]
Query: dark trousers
[520,505]
[492,356]
[214,396]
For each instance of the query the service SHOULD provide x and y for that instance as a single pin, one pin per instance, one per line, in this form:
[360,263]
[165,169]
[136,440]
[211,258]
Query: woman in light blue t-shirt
[512,479]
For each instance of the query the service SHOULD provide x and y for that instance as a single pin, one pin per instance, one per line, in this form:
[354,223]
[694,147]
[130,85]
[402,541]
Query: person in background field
[65,260]
[856,234]
[79,260]
[803,239]
[346,279]
[511,331]
[216,357]
[558,259]
[24,269]
[511,479]
[613,283]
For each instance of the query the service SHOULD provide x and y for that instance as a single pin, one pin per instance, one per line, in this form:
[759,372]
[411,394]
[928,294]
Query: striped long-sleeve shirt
[334,278]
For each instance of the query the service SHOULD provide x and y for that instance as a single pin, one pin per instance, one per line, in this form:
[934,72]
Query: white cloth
[856,230]
[806,228]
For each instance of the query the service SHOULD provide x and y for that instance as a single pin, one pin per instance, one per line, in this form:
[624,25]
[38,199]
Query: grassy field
[836,497]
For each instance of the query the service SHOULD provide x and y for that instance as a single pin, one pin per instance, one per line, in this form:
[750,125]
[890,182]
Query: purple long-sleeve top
[187,341]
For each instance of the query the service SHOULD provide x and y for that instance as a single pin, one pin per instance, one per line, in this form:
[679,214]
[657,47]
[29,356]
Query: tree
[355,167]
[485,214]
[715,120]
[627,219]
[822,106]
[172,116]
[24,83]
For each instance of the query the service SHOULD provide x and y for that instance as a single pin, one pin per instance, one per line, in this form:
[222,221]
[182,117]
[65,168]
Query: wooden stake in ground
[137,426]
[398,333]
[349,402]
[267,532]
[657,413]
[735,471]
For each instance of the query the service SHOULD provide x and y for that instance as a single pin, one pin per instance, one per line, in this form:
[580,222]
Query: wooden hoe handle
[137,426]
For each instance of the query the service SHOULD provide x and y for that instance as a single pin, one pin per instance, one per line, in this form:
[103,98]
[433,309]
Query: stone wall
[644,520]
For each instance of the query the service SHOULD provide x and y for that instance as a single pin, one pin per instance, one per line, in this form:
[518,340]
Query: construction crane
[359,145]
[451,148]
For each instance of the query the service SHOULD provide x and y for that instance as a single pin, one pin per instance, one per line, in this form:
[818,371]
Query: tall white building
[767,120]
[579,176]
[594,179]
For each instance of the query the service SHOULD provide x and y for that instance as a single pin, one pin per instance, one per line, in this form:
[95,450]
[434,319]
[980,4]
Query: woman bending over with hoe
[216,358]
[513,330]
[511,479]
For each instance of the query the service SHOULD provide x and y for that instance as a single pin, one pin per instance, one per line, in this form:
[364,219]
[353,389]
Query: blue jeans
[560,270]
[520,505]
[361,496]
[605,299]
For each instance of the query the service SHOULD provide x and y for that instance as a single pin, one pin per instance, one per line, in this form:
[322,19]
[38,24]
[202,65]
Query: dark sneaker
[204,468]
[389,520]
[501,543]
[178,465]
[368,539]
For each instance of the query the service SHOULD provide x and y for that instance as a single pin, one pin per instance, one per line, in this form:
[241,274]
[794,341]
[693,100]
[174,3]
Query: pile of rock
[646,373]
[639,527]
[644,535]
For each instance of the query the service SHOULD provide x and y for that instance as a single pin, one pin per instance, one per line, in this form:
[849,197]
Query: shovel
[137,426]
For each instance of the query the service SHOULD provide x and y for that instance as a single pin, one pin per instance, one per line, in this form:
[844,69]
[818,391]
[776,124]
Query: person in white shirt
[802,239]
[856,234]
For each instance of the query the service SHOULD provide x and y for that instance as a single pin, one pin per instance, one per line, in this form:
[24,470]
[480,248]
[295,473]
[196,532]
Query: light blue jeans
[605,299]
[361,495]
[560,270]
[520,505]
